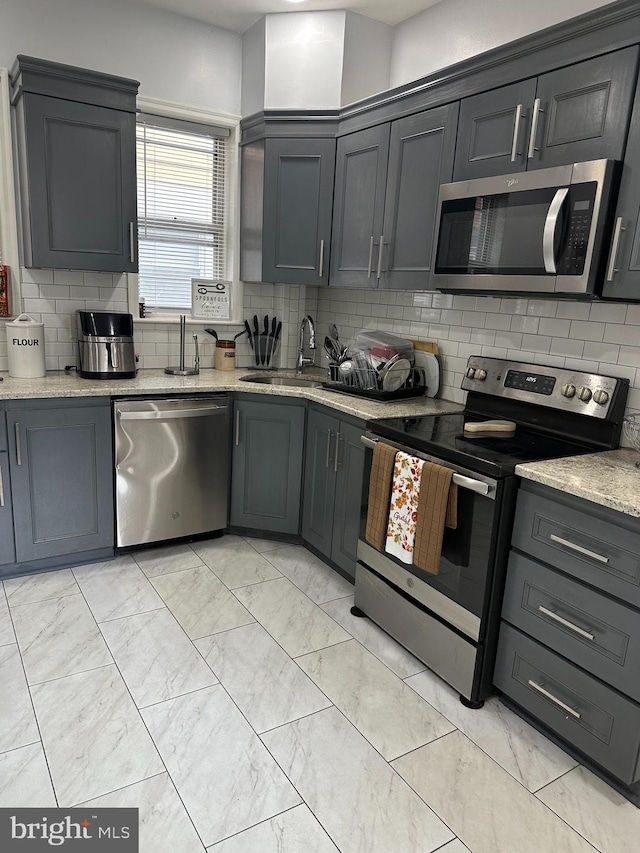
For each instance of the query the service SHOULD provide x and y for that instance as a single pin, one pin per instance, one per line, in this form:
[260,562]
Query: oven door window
[503,234]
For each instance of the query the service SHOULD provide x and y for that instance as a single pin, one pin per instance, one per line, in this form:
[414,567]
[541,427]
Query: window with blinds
[182,208]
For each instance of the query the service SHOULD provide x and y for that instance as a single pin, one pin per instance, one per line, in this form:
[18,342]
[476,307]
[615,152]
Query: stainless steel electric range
[450,620]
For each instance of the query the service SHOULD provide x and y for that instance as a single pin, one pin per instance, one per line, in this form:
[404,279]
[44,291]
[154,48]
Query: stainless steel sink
[288,381]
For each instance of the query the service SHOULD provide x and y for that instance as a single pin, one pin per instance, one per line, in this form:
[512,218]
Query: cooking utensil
[332,349]
[212,332]
[240,334]
[256,335]
[333,332]
[271,342]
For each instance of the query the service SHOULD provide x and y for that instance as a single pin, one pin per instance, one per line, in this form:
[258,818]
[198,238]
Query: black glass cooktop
[442,436]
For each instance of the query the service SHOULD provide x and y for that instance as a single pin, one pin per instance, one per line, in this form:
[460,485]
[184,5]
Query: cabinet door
[267,466]
[493,132]
[622,275]
[358,207]
[7,549]
[348,501]
[298,202]
[319,480]
[62,480]
[82,185]
[420,159]
[584,111]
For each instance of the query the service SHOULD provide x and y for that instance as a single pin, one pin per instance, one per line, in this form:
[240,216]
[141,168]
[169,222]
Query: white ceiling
[239,15]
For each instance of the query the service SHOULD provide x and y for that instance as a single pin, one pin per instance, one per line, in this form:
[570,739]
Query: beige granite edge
[609,479]
[61,385]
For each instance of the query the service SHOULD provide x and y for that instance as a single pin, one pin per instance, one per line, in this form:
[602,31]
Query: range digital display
[536,383]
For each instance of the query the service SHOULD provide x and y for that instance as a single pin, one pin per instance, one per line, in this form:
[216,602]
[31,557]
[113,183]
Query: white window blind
[182,204]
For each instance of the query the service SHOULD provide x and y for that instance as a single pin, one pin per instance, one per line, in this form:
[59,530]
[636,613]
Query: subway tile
[98,279]
[633,314]
[566,347]
[601,352]
[68,277]
[542,308]
[520,323]
[442,300]
[494,352]
[430,315]
[549,360]
[582,365]
[483,336]
[573,310]
[465,303]
[423,300]
[514,306]
[492,304]
[620,370]
[500,322]
[37,276]
[618,334]
[475,319]
[466,350]
[39,305]
[513,340]
[608,313]
[587,331]
[629,356]
[554,328]
[520,355]
[460,334]
[451,316]
[536,343]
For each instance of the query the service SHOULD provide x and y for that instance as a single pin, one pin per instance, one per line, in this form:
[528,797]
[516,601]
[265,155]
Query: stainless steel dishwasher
[172,468]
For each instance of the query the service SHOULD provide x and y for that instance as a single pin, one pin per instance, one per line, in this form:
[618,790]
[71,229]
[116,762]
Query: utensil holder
[267,350]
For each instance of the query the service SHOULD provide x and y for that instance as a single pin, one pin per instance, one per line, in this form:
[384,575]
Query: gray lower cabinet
[568,653]
[385,204]
[580,112]
[332,499]
[266,476]
[287,201]
[61,464]
[622,274]
[77,166]
[7,546]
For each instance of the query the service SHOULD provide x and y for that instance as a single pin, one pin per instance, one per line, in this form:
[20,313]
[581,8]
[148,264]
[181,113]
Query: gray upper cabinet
[287,199]
[492,132]
[577,113]
[420,159]
[61,478]
[622,274]
[267,465]
[358,207]
[387,181]
[77,166]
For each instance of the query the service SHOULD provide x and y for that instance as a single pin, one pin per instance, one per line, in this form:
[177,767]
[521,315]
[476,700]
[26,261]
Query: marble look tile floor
[225,690]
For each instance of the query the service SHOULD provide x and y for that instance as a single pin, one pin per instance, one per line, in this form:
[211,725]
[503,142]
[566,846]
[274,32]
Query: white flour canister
[25,348]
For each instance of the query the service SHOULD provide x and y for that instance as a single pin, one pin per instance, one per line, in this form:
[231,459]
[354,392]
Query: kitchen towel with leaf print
[403,509]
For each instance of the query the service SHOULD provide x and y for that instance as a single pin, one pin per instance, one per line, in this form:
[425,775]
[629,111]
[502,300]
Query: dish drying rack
[365,380]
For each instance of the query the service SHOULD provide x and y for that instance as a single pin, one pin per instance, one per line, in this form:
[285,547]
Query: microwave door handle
[550,227]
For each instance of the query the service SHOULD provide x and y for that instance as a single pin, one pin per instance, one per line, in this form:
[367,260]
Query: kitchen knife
[248,331]
[256,335]
[265,340]
[271,340]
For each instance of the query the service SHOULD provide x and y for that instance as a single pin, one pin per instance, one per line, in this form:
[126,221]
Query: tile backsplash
[597,336]
[53,296]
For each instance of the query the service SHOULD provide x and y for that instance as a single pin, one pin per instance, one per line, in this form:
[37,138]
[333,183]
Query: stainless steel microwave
[535,232]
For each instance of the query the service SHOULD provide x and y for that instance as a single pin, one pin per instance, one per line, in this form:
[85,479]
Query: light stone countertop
[148,382]
[609,478]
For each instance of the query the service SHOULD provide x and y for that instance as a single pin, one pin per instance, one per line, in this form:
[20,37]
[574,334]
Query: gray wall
[454,30]
[175,58]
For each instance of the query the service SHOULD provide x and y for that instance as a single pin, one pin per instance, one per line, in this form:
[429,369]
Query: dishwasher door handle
[171,414]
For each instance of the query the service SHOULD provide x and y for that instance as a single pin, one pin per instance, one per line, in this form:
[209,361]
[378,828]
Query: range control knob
[471,372]
[600,397]
[481,374]
[584,394]
[568,390]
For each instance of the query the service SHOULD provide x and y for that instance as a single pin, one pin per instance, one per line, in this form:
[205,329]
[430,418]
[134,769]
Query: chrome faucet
[302,359]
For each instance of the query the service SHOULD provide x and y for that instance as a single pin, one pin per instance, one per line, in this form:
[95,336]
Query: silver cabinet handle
[615,245]
[321,262]
[1,489]
[132,242]
[336,462]
[380,250]
[516,133]
[557,618]
[173,414]
[326,461]
[587,553]
[18,448]
[237,439]
[370,267]
[537,109]
[554,699]
[550,226]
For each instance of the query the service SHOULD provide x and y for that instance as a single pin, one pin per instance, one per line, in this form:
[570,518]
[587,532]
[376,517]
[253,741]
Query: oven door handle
[459,479]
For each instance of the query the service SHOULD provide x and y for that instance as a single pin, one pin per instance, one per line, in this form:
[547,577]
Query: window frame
[9,233]
[232,254]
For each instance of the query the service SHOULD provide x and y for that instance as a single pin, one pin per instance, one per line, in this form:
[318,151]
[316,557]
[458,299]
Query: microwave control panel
[579,206]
